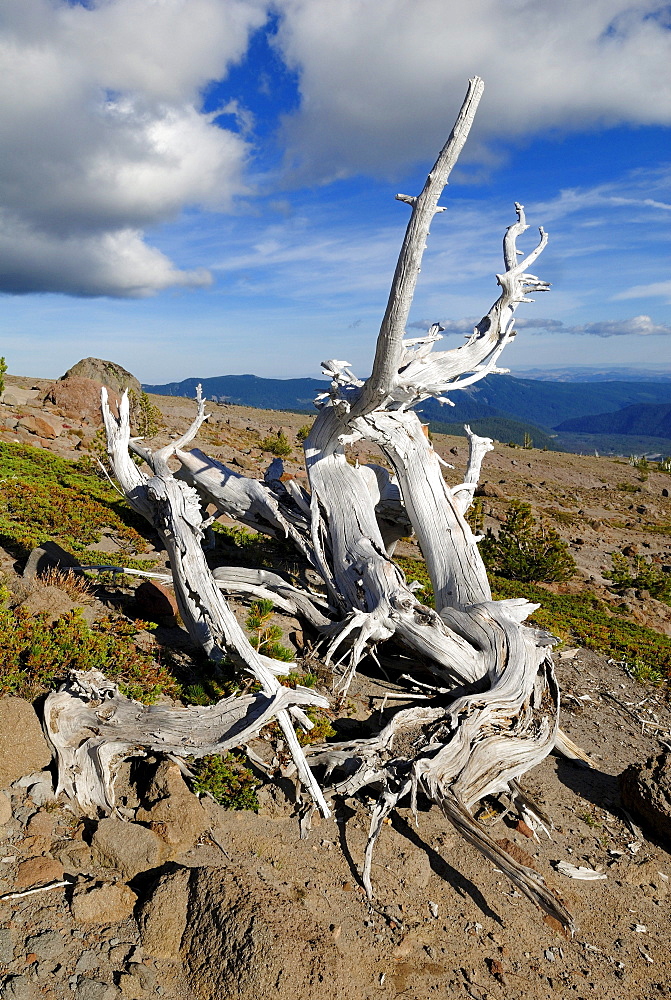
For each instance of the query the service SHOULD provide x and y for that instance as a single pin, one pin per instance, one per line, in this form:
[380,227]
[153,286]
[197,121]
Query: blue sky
[207,188]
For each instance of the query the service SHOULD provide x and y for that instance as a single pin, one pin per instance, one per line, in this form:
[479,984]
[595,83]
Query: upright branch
[424,207]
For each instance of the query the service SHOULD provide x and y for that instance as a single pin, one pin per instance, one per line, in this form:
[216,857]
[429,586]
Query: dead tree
[495,712]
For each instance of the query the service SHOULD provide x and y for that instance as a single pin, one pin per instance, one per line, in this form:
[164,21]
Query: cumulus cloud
[380,81]
[103,136]
[637,326]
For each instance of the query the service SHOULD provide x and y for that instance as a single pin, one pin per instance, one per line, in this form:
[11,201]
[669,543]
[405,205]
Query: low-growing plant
[321,728]
[303,432]
[585,620]
[228,779]
[277,444]
[43,496]
[3,372]
[38,654]
[523,550]
[75,585]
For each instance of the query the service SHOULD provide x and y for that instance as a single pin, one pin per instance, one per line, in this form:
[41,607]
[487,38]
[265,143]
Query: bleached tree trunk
[502,715]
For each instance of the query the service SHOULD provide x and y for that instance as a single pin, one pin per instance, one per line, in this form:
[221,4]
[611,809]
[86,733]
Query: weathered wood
[93,729]
[173,508]
[500,714]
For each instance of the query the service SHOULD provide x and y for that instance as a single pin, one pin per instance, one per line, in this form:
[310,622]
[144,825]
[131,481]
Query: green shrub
[265,636]
[303,432]
[3,372]
[475,516]
[37,655]
[639,573]
[525,551]
[147,418]
[277,444]
[227,779]
[320,731]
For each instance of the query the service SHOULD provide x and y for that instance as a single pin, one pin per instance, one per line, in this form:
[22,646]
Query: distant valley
[570,416]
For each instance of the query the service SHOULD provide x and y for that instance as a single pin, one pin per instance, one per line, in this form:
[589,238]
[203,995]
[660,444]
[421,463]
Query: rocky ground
[183,898]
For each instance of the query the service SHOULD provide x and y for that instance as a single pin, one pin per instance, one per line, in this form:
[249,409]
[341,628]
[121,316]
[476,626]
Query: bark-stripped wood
[173,508]
[496,712]
[93,729]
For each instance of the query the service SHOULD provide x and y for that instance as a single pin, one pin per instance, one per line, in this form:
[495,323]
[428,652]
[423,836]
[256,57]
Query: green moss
[37,655]
[227,779]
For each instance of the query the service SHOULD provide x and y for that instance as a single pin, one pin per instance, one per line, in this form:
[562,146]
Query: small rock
[104,904]
[91,989]
[23,747]
[154,603]
[6,946]
[38,871]
[19,988]
[162,920]
[129,848]
[15,396]
[47,946]
[88,961]
[40,824]
[143,974]
[5,808]
[43,426]
[48,555]
[488,489]
[175,813]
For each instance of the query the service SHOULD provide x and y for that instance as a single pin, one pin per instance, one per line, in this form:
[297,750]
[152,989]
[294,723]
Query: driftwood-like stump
[494,713]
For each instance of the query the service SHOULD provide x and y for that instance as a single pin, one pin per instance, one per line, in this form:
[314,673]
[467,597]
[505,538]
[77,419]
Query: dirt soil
[443,922]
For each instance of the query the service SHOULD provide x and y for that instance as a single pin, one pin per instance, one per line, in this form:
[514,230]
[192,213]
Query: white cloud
[380,82]
[638,326]
[658,289]
[102,135]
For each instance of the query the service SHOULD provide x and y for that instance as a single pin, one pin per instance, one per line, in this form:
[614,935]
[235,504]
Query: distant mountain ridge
[641,418]
[547,405]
